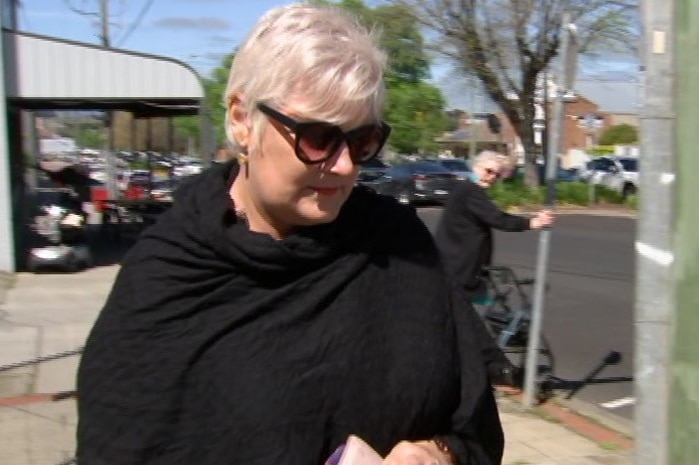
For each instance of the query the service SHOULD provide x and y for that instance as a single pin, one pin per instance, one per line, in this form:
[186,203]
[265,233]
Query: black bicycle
[507,314]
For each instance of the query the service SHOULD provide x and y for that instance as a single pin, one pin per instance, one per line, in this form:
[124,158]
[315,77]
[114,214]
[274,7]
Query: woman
[464,235]
[275,309]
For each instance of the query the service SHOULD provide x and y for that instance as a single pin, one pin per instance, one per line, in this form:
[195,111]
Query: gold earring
[242,158]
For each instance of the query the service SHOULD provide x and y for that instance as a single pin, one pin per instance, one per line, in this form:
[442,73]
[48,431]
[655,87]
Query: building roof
[620,97]
[49,73]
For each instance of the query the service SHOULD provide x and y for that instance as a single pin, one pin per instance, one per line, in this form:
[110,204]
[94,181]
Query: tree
[619,134]
[508,44]
[415,110]
[214,87]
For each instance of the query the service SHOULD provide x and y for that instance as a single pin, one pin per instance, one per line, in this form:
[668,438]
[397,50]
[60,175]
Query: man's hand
[543,219]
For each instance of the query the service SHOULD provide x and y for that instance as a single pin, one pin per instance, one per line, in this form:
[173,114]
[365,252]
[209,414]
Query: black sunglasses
[316,141]
[492,172]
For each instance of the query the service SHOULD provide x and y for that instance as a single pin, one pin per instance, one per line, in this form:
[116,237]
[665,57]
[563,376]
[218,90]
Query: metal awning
[49,73]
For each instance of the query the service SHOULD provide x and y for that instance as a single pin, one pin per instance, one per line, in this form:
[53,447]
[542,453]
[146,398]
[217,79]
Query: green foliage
[402,41]
[399,37]
[599,150]
[90,137]
[573,193]
[215,88]
[605,195]
[414,110]
[514,192]
[619,134]
[187,125]
[414,107]
[140,164]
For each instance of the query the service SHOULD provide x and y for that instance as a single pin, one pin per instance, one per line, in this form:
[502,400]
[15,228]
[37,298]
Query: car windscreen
[455,165]
[629,164]
[374,163]
[427,168]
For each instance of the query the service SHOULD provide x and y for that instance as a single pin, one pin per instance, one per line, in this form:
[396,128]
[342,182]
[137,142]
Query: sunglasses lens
[365,143]
[317,140]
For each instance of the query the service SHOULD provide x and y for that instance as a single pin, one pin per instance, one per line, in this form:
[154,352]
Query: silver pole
[656,301]
[554,146]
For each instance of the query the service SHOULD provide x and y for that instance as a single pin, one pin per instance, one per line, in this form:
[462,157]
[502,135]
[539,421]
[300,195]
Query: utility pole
[472,120]
[109,116]
[565,77]
[683,413]
[655,299]
[104,14]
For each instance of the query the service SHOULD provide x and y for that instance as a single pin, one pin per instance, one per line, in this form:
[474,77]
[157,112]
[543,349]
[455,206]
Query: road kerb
[574,421]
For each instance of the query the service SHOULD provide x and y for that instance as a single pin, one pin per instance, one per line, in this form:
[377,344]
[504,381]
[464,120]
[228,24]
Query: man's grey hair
[491,156]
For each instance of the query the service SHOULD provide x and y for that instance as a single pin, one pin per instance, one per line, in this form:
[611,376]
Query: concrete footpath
[45,314]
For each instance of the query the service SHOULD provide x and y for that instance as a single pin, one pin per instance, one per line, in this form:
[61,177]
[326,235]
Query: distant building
[57,145]
[593,107]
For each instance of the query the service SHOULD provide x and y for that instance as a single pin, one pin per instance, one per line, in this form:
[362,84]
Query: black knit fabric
[219,345]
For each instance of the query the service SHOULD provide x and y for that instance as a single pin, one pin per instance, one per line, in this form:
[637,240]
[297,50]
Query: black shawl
[219,346]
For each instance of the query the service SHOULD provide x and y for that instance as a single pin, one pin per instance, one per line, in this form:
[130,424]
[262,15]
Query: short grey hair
[491,156]
[318,52]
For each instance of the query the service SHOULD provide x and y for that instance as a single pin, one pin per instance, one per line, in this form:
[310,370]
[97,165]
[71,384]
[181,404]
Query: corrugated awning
[49,73]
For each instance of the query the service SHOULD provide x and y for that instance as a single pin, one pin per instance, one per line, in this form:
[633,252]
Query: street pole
[471,116]
[564,79]
[684,403]
[110,162]
[655,299]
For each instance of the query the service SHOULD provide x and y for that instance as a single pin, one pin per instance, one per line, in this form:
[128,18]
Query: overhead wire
[136,23]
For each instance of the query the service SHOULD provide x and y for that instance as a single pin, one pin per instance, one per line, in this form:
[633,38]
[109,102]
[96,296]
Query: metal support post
[554,146]
[655,300]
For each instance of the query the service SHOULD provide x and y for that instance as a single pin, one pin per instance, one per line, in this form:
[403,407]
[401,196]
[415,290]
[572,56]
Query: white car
[615,172]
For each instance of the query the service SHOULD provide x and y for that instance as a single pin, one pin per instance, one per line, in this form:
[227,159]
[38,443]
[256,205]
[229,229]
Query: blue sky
[199,32]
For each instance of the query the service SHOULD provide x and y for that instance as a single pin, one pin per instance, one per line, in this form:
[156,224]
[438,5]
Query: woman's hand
[417,453]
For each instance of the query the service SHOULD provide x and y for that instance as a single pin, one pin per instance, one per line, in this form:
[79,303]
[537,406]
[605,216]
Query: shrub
[514,192]
[572,193]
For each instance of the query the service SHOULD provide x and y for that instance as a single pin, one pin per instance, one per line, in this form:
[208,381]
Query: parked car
[457,166]
[615,172]
[421,181]
[162,190]
[371,171]
[562,174]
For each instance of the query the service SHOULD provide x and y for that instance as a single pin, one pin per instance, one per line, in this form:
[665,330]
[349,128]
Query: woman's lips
[326,190]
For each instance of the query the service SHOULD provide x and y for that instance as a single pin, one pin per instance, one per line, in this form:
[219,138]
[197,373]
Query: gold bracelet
[444,448]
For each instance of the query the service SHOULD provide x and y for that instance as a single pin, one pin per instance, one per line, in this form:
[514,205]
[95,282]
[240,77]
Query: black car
[457,166]
[420,181]
[370,172]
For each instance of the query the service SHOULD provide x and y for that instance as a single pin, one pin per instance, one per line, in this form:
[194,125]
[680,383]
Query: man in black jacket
[465,240]
[464,235]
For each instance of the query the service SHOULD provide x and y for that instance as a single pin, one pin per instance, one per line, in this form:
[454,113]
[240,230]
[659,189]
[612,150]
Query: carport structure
[45,73]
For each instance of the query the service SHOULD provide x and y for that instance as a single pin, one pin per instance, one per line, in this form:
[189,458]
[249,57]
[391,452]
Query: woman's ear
[239,121]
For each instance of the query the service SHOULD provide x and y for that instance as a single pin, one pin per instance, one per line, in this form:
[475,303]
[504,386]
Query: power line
[136,23]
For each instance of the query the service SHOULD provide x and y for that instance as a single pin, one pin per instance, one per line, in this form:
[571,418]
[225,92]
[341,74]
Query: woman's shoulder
[383,209]
[386,222]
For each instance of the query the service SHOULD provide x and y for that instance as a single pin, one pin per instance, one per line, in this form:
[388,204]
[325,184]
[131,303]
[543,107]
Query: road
[589,307]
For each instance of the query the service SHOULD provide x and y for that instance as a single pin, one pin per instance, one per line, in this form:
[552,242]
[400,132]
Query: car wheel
[403,198]
[32,266]
[72,263]
[629,189]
